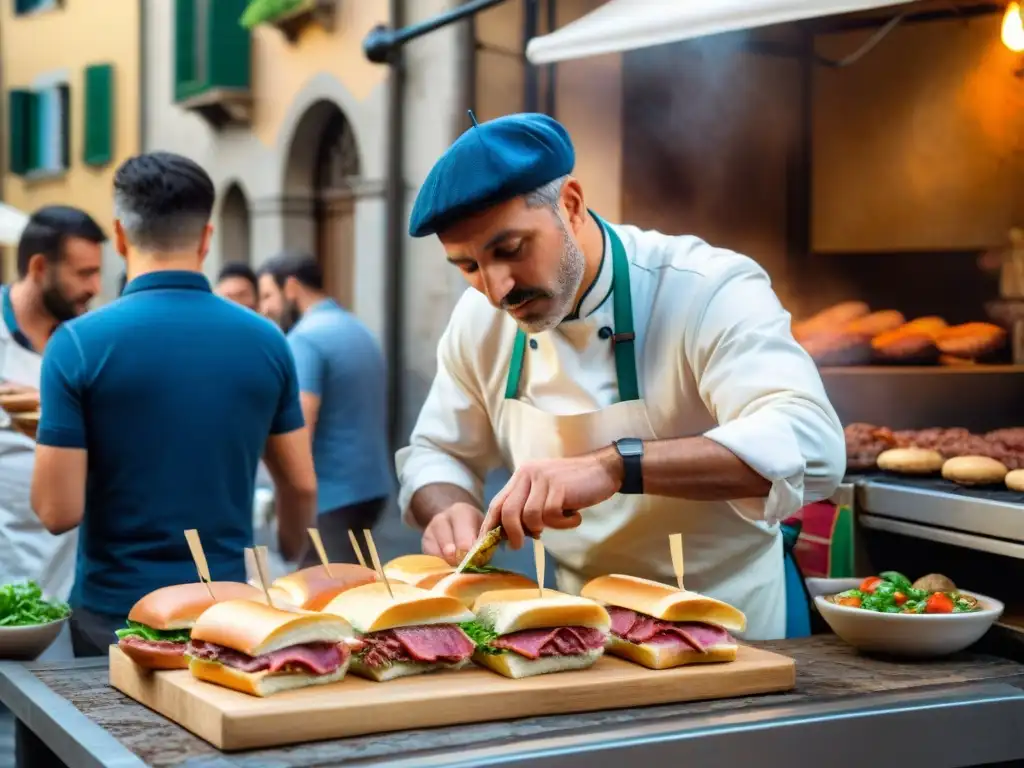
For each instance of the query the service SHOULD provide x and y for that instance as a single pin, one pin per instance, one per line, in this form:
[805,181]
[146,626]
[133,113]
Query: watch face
[630,446]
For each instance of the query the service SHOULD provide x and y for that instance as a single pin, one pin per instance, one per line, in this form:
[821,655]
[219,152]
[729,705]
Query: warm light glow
[1013,28]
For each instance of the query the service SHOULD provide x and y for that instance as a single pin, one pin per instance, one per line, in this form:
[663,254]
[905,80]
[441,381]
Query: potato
[935,582]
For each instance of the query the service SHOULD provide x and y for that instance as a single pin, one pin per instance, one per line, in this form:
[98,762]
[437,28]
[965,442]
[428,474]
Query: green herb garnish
[23,604]
[135,629]
[482,636]
[482,569]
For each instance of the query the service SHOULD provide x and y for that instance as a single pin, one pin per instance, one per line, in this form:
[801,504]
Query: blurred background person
[58,261]
[158,408]
[237,282]
[343,390]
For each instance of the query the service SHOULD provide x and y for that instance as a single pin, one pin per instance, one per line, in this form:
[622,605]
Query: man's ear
[290,288]
[37,267]
[572,201]
[204,243]
[120,241]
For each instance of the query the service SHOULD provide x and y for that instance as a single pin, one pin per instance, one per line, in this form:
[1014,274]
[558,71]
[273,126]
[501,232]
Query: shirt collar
[321,305]
[601,288]
[170,278]
[10,321]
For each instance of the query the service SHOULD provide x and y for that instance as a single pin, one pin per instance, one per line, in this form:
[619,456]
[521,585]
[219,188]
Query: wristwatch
[631,450]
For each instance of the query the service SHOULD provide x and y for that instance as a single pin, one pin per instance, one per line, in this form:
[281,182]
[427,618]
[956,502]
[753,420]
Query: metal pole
[531,83]
[382,42]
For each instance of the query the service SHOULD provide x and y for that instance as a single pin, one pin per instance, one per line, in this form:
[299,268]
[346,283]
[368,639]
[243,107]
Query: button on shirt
[715,356]
[173,392]
[339,361]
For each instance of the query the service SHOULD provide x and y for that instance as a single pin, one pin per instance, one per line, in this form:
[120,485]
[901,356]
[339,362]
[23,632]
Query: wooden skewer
[355,546]
[675,542]
[376,560]
[318,545]
[261,575]
[538,563]
[196,547]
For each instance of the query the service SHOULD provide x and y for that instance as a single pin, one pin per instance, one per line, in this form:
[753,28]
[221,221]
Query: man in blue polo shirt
[157,410]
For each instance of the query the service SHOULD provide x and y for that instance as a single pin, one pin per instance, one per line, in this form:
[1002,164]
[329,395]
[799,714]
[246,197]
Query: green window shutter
[227,45]
[34,131]
[99,114]
[185,52]
[19,105]
[65,125]
[24,6]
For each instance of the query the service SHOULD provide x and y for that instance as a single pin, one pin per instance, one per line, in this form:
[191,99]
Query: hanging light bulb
[1013,28]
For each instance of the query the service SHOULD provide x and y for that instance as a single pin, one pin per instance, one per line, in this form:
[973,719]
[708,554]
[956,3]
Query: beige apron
[727,556]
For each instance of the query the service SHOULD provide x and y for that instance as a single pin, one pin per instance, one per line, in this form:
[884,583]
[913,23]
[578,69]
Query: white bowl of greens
[29,623]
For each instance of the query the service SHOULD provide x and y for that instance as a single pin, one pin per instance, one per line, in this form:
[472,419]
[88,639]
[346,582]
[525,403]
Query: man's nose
[497,282]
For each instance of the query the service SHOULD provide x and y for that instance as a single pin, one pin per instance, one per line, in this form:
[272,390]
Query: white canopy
[12,222]
[625,25]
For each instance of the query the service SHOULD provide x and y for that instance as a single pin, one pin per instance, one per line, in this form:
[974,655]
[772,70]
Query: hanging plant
[270,11]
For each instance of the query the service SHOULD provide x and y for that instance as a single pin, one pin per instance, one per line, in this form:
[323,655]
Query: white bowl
[923,635]
[28,643]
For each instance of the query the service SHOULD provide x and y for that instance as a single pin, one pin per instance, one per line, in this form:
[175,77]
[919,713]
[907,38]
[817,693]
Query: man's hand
[547,494]
[452,533]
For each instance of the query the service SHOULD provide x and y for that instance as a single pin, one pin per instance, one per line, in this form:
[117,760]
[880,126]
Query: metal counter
[847,710]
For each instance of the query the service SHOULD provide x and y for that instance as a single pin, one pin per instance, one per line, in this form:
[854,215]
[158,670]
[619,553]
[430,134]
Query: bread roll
[260,683]
[370,608]
[517,667]
[832,317]
[974,470]
[872,325]
[467,587]
[513,610]
[971,340]
[422,571]
[911,461]
[312,588]
[178,606]
[668,656]
[663,602]
[836,347]
[255,628]
[1015,480]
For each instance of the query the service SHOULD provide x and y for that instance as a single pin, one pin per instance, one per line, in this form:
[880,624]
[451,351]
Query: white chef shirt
[715,357]
[28,552]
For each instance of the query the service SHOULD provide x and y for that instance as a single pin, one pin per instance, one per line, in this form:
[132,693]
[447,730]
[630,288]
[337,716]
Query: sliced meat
[314,658]
[636,627]
[562,641]
[444,643]
[160,647]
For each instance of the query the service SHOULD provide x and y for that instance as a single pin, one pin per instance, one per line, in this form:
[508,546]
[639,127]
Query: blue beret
[490,163]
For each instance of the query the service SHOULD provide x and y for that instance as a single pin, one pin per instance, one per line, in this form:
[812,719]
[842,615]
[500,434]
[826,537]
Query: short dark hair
[164,201]
[47,230]
[242,270]
[298,264]
[122,281]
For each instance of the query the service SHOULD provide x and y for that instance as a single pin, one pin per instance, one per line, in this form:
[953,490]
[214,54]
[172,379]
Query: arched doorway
[321,182]
[235,242]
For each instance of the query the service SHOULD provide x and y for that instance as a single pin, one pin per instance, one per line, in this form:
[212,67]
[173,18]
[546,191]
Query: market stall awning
[12,222]
[625,25]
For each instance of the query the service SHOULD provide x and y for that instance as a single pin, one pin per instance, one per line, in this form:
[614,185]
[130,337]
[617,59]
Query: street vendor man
[637,384]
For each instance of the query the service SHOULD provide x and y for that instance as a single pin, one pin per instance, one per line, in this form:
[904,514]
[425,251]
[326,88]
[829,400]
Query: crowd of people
[160,408]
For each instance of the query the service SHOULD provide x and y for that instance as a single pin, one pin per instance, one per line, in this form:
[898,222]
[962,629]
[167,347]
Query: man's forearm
[693,468]
[433,499]
[296,512]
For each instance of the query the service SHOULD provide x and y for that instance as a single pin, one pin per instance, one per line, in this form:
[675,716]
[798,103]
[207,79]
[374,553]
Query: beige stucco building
[70,76]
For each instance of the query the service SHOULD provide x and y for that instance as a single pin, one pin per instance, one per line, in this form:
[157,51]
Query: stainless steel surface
[983,517]
[869,730]
[943,536]
[72,736]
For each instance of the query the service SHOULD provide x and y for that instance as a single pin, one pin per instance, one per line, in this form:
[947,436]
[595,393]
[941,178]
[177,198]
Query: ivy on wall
[264,11]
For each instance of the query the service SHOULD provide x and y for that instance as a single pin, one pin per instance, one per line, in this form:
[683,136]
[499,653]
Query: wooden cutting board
[231,720]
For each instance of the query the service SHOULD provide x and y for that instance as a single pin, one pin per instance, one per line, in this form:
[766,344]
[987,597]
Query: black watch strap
[631,450]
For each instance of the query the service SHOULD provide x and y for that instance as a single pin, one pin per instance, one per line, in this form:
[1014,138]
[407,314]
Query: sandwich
[519,634]
[473,581]
[422,571]
[415,631]
[159,625]
[312,588]
[659,626]
[260,650]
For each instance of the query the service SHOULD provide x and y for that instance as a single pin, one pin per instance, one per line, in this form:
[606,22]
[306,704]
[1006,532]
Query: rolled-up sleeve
[764,392]
[452,441]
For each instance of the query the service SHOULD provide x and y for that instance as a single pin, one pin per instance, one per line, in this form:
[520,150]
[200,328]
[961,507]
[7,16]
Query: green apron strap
[622,340]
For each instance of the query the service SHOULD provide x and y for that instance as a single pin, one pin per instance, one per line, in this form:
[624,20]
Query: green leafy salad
[482,636]
[135,629]
[23,605]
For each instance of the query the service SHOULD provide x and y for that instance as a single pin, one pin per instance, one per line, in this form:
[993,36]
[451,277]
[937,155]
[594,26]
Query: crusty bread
[1015,480]
[19,402]
[668,656]
[467,587]
[402,669]
[835,316]
[974,470]
[260,683]
[910,461]
[663,602]
[370,608]
[149,659]
[513,610]
[419,570]
[515,666]
[876,323]
[312,589]
[256,628]
[178,606]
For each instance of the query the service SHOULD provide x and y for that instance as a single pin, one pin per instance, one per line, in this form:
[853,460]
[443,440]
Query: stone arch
[235,225]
